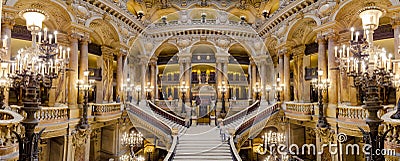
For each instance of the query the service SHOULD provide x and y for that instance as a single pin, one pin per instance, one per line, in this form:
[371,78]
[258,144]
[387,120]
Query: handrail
[357,112]
[166,114]
[242,113]
[302,108]
[46,114]
[150,119]
[257,118]
[172,150]
[234,152]
[9,122]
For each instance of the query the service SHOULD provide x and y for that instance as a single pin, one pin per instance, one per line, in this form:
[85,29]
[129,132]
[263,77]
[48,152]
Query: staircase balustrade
[172,150]
[234,152]
[167,115]
[257,118]
[242,113]
[149,119]
[47,114]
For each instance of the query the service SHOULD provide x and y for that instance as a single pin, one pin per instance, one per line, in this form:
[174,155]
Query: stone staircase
[202,143]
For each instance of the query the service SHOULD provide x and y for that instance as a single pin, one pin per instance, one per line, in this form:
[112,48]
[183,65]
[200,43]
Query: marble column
[286,75]
[188,73]
[253,77]
[322,59]
[298,73]
[83,64]
[73,73]
[120,67]
[281,74]
[263,79]
[250,89]
[153,76]
[143,66]
[396,28]
[333,71]
[6,26]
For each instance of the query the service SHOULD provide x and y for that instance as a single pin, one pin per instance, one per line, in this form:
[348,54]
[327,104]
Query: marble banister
[242,113]
[47,114]
[167,115]
[300,111]
[392,140]
[356,113]
[105,109]
[9,121]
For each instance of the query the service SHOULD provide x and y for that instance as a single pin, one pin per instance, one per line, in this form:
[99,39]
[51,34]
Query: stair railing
[242,113]
[167,115]
[234,152]
[172,150]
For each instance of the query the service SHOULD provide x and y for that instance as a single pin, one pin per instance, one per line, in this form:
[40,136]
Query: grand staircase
[202,143]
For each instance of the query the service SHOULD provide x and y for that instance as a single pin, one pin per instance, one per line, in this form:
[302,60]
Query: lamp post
[35,67]
[132,140]
[268,89]
[321,85]
[138,89]
[86,85]
[223,89]
[372,69]
[183,89]
[257,90]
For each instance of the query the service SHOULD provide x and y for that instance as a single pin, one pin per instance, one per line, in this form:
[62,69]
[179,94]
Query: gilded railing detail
[9,122]
[47,114]
[105,109]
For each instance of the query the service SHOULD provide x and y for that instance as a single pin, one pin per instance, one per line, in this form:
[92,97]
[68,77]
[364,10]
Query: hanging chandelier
[132,140]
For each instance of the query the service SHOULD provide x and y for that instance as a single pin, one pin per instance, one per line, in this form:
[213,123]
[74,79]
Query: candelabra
[223,90]
[183,89]
[132,140]
[86,85]
[321,85]
[257,90]
[35,67]
[268,89]
[371,69]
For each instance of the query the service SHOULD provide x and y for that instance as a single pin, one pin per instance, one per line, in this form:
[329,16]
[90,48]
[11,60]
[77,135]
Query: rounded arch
[210,45]
[166,48]
[58,12]
[301,31]
[347,12]
[105,31]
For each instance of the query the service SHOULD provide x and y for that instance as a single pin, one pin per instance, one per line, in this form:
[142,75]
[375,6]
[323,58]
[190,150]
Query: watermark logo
[346,149]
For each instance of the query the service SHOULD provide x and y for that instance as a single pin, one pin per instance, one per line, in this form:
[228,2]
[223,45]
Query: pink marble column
[322,59]
[6,26]
[333,71]
[281,74]
[286,74]
[120,67]
[83,64]
[73,73]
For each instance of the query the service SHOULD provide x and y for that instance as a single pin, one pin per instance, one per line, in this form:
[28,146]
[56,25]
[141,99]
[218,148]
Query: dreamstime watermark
[347,149]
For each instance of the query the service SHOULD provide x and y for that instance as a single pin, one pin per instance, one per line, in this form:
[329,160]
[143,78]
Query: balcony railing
[356,113]
[9,121]
[301,108]
[392,140]
[105,109]
[47,115]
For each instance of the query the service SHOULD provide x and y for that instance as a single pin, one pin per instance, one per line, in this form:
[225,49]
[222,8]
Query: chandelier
[132,140]
[372,69]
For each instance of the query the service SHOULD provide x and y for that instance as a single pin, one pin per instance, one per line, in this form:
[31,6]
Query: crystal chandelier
[132,140]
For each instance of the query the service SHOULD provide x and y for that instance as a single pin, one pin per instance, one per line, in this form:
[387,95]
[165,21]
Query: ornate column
[143,80]
[7,24]
[298,73]
[188,73]
[322,58]
[253,77]
[333,71]
[153,76]
[73,73]
[83,62]
[120,69]
[107,59]
[281,67]
[286,73]
[396,28]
